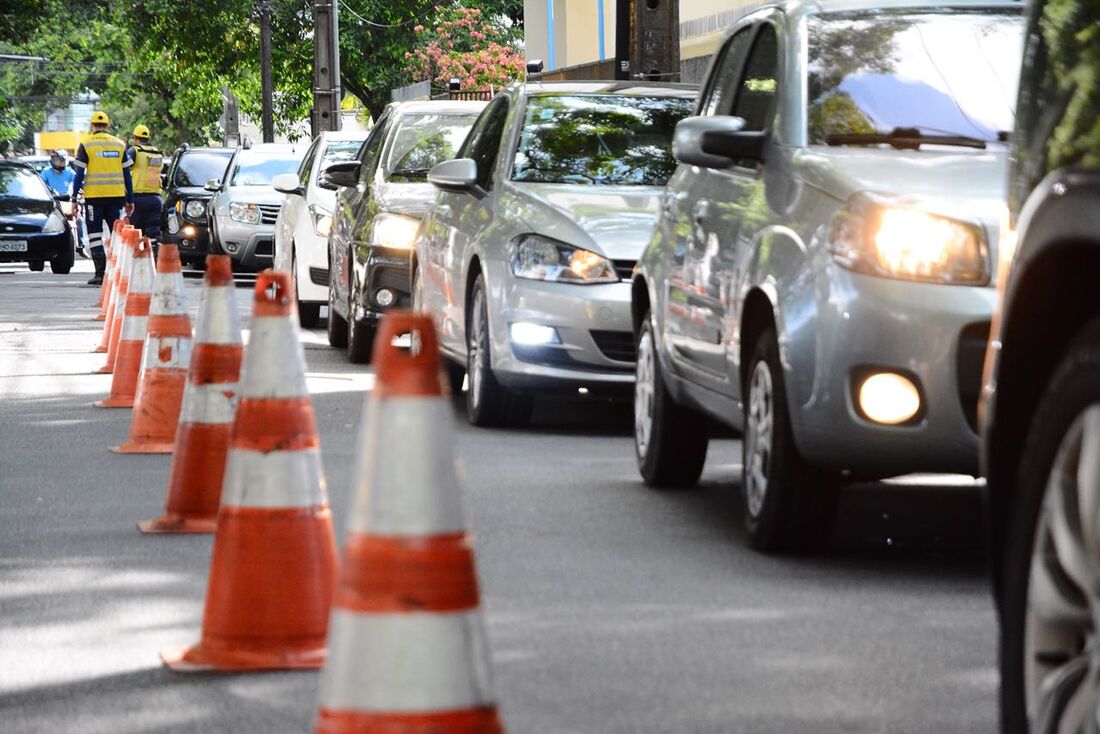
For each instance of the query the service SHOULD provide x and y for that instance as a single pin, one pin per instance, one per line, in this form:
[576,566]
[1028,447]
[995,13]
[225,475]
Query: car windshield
[257,171]
[599,139]
[22,183]
[421,141]
[338,151]
[947,72]
[198,167]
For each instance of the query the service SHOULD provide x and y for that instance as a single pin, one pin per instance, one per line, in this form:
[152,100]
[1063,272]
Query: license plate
[13,245]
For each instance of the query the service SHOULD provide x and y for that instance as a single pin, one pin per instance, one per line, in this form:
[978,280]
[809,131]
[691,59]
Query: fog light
[889,398]
[385,297]
[188,230]
[533,334]
[232,247]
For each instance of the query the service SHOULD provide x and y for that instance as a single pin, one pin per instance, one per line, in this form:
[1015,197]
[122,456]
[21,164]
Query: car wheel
[1050,675]
[63,263]
[309,314]
[37,265]
[670,440]
[789,505]
[360,339]
[488,403]
[337,327]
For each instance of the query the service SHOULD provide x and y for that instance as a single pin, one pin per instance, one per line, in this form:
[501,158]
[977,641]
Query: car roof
[344,134]
[209,149]
[439,107]
[796,7]
[637,88]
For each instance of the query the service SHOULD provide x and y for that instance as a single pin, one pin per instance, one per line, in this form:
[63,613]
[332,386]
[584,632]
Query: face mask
[57,166]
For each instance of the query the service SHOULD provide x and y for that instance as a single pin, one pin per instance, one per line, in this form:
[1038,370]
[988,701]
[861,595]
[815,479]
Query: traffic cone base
[247,592]
[474,721]
[195,491]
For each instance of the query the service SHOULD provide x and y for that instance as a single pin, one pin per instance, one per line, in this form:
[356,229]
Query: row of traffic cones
[400,625]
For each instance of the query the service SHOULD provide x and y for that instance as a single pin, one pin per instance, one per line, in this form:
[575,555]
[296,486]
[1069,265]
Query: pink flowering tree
[463,44]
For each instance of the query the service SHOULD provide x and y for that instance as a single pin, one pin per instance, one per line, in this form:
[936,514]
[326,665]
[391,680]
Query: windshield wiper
[905,138]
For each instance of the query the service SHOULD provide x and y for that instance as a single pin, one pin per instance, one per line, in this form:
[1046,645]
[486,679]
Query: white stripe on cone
[133,328]
[166,353]
[167,295]
[274,364]
[213,402]
[218,322]
[274,479]
[410,662]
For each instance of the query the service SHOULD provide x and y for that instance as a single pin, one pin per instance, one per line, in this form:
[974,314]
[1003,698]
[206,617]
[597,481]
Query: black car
[383,196]
[185,220]
[1041,400]
[33,228]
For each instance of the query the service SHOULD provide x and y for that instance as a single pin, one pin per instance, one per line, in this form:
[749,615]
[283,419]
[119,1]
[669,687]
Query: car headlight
[196,209]
[247,213]
[322,220]
[896,241]
[541,258]
[394,230]
[54,224]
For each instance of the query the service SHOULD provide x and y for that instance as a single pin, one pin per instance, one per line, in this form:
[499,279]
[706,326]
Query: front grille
[265,248]
[268,213]
[15,228]
[318,276]
[969,358]
[616,345]
[624,268]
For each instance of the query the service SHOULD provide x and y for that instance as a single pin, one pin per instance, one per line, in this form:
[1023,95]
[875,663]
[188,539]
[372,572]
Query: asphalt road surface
[611,607]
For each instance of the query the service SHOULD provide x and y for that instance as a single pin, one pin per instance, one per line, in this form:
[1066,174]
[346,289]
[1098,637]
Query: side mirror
[212,185]
[341,174]
[716,142]
[457,176]
[288,183]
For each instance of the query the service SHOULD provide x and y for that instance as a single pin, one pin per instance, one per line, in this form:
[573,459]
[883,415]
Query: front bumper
[382,268]
[252,246]
[38,246]
[192,238]
[934,334]
[593,323]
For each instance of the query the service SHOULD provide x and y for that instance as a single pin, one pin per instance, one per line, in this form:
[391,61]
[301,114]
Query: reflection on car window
[22,183]
[421,141]
[195,169]
[598,139]
[260,171]
[949,72]
[756,92]
[339,151]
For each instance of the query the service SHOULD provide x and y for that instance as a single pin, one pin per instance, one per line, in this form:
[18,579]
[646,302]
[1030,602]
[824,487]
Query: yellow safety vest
[103,173]
[146,171]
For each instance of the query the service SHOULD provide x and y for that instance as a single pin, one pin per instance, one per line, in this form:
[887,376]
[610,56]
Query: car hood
[412,199]
[616,221]
[254,195]
[190,192]
[24,212]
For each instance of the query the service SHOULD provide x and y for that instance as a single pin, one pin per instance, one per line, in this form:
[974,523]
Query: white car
[303,224]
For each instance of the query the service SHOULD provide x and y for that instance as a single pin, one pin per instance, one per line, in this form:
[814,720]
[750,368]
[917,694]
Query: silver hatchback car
[820,276]
[526,257]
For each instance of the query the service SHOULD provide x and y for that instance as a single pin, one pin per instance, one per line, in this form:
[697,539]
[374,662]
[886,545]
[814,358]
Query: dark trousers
[98,212]
[146,215]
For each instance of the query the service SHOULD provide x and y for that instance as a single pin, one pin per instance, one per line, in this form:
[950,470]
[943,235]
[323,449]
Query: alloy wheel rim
[1061,647]
[758,437]
[644,390]
[476,368]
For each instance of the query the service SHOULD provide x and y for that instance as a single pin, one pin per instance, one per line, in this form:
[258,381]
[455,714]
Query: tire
[455,374]
[63,263]
[337,327]
[1037,648]
[309,314]
[670,440]
[488,403]
[37,265]
[789,505]
[360,340]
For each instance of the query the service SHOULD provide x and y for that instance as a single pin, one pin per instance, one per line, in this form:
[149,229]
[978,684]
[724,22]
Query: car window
[307,164]
[195,168]
[372,150]
[257,171]
[944,72]
[721,87]
[420,141]
[599,139]
[755,101]
[483,142]
[22,183]
[338,151]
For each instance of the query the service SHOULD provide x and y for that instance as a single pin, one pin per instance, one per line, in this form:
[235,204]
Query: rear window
[421,141]
[196,168]
[22,183]
[255,171]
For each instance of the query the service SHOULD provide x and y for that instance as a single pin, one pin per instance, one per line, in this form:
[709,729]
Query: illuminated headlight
[541,258]
[878,238]
[322,220]
[189,230]
[54,224]
[529,334]
[394,230]
[247,213]
[889,398]
[196,209]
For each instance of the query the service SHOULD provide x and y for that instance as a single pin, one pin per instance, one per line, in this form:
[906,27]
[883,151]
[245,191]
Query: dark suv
[1041,399]
[185,220]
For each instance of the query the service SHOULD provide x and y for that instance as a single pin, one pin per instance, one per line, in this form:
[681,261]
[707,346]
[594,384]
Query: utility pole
[655,40]
[231,129]
[622,38]
[268,114]
[326,66]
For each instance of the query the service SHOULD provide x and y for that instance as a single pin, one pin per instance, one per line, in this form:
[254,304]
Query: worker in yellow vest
[146,164]
[103,173]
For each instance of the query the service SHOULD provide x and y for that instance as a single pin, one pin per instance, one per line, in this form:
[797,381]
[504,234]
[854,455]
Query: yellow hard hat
[141,131]
[99,117]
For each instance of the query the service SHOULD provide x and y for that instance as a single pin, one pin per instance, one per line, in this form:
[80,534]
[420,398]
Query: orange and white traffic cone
[122,265]
[131,237]
[209,401]
[408,650]
[135,321]
[110,239]
[164,362]
[273,569]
